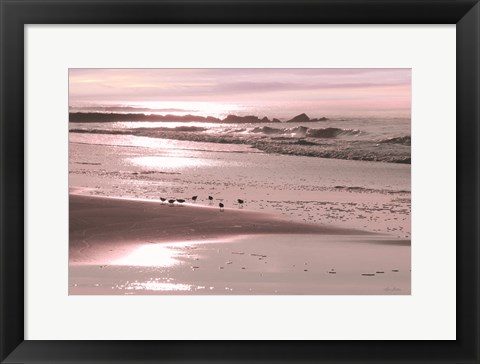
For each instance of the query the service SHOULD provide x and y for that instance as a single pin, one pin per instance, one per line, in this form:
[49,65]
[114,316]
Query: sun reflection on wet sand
[163,254]
[255,264]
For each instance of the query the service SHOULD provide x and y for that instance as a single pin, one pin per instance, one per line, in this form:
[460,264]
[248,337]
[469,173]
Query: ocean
[362,138]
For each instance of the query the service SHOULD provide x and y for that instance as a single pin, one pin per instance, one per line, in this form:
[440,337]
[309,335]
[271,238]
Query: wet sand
[370,196]
[101,225]
[122,246]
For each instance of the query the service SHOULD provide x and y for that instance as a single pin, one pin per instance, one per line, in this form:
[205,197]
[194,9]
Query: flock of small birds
[221,205]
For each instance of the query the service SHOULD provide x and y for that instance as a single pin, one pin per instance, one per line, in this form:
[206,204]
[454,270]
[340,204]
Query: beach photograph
[216,181]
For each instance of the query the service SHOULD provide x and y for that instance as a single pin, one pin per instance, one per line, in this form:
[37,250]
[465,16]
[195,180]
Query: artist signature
[392,289]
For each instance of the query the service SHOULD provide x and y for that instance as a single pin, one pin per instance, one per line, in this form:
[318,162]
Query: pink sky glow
[324,91]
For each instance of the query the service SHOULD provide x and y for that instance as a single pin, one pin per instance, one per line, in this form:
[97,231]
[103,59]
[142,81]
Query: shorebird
[194,198]
[210,198]
[171,202]
[180,200]
[221,205]
[163,199]
[240,202]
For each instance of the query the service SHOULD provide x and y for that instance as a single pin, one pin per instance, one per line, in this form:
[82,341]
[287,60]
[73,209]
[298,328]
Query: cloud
[267,86]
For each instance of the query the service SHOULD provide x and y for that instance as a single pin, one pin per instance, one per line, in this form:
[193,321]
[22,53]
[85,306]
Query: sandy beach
[125,246]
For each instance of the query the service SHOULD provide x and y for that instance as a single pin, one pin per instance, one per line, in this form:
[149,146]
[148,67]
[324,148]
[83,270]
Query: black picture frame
[15,14]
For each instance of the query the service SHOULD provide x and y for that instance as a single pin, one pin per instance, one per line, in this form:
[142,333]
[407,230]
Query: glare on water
[170,163]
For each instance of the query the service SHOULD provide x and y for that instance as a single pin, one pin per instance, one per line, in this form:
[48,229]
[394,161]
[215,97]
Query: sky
[323,92]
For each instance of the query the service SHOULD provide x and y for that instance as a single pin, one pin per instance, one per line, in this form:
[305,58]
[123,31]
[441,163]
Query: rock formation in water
[99,117]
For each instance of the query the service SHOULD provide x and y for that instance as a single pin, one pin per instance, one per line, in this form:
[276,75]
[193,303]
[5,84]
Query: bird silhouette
[210,198]
[163,199]
[194,198]
[180,200]
[171,202]
[221,205]
[240,202]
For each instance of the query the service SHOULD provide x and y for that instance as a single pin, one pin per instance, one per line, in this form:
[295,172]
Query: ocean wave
[363,151]
[236,130]
[304,142]
[328,147]
[404,140]
[186,128]
[303,131]
[331,132]
[266,130]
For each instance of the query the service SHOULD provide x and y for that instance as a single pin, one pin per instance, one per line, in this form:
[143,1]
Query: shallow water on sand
[371,196]
[261,265]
